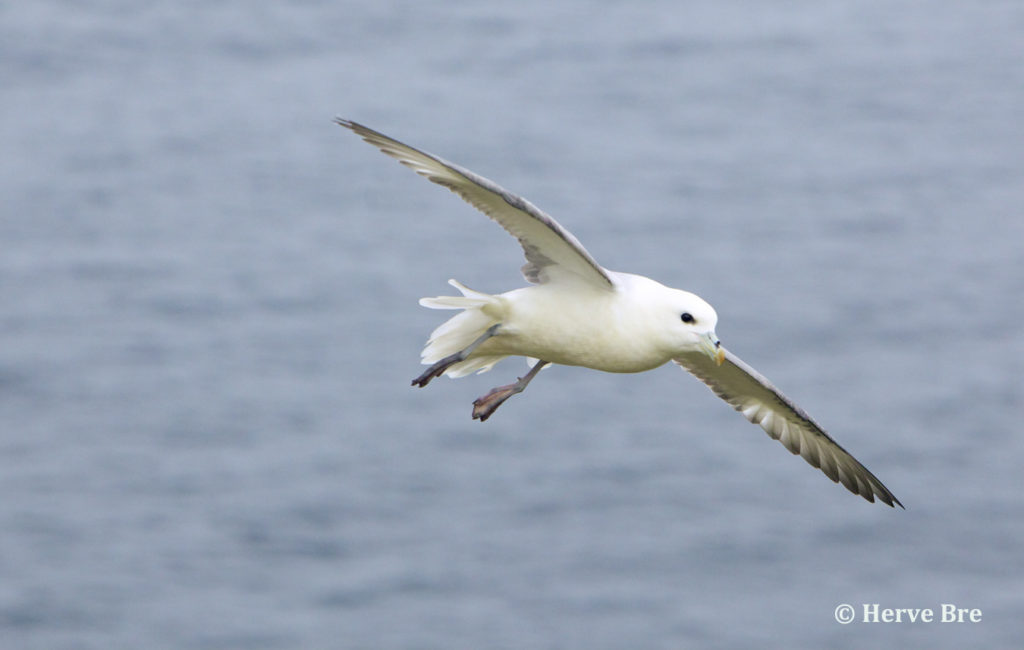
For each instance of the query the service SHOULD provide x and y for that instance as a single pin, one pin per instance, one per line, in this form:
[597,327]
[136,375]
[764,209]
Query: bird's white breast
[577,325]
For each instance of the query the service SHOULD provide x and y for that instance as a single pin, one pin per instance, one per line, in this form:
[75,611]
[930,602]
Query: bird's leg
[484,406]
[438,368]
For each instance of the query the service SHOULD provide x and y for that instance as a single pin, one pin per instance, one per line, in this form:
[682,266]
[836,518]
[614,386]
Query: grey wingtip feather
[364,132]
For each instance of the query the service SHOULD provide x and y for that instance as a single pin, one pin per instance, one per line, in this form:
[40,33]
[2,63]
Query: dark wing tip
[357,128]
[870,487]
[876,489]
[884,495]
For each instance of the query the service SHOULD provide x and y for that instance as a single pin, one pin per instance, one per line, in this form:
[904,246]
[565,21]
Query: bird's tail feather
[480,311]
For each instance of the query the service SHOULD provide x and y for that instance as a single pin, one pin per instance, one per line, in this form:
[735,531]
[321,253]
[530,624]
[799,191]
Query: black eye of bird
[687,317]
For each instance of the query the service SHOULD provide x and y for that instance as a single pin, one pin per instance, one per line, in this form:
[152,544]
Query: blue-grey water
[208,323]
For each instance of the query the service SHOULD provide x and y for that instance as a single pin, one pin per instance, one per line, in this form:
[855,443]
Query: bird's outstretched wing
[747,391]
[552,252]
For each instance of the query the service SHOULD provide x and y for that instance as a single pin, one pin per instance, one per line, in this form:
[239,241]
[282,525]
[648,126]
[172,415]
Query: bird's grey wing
[747,391]
[552,252]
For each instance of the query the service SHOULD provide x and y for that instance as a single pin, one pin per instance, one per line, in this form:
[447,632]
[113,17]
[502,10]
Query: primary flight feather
[578,313]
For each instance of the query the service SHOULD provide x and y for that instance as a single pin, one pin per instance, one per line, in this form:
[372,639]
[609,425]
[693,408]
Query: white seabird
[578,313]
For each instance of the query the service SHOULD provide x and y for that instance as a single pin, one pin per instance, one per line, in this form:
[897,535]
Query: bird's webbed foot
[484,407]
[438,368]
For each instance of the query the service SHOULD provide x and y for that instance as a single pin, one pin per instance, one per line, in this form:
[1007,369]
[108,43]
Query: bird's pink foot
[441,366]
[484,406]
[436,370]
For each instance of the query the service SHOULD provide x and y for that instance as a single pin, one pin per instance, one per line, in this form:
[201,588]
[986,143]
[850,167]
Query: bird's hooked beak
[710,344]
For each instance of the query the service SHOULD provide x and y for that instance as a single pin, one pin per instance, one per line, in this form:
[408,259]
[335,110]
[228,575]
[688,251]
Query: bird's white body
[578,313]
[632,328]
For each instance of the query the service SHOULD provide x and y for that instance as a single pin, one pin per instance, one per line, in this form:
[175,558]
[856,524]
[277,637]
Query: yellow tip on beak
[713,347]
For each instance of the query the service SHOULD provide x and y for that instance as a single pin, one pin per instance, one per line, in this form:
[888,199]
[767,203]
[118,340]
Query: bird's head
[690,324]
[679,323]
